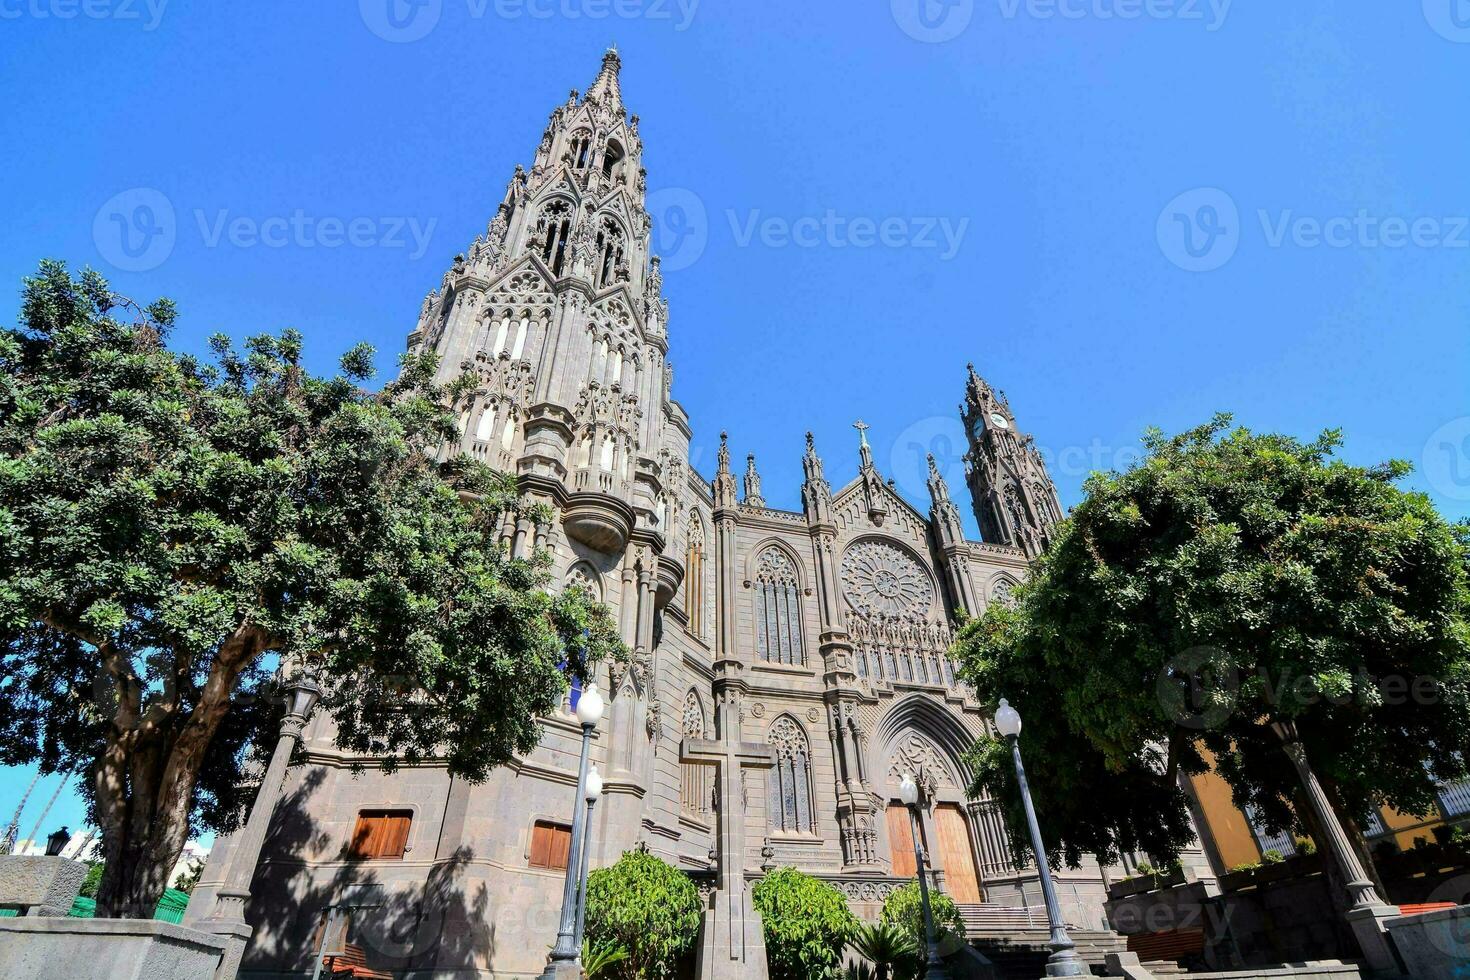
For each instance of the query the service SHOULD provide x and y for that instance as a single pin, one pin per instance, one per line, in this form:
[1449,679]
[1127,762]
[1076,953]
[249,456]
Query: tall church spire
[606,89]
[1015,501]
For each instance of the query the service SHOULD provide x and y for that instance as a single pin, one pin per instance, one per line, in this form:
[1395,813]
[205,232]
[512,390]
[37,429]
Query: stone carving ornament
[881,580]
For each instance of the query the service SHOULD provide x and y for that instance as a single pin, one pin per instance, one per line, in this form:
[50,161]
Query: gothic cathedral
[821,633]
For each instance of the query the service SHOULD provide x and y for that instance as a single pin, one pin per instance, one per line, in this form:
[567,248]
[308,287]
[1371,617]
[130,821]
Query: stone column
[227,918]
[1369,910]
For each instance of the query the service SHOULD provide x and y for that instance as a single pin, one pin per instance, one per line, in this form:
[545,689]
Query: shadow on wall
[422,925]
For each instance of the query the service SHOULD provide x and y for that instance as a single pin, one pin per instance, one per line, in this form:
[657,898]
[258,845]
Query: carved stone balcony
[598,521]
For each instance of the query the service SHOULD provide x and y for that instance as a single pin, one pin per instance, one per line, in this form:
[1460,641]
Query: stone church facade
[829,627]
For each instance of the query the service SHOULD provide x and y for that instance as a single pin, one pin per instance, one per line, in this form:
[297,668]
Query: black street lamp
[934,968]
[565,961]
[1064,961]
[56,843]
[594,791]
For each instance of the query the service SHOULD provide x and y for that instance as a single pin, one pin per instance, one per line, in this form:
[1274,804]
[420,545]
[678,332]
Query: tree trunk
[144,780]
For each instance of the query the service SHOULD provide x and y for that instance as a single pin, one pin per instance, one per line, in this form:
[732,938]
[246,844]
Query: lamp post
[227,918]
[594,791]
[934,968]
[565,963]
[1064,961]
[57,842]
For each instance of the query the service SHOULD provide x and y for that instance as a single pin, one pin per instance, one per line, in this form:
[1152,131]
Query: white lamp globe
[1007,720]
[589,706]
[908,790]
[594,785]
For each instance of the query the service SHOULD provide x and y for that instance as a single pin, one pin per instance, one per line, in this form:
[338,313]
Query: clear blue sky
[1130,189]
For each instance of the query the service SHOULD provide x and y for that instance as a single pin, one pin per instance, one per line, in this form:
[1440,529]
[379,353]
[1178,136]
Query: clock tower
[1015,501]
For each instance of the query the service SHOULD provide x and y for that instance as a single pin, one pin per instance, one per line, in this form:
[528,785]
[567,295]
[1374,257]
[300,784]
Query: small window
[380,834]
[551,844]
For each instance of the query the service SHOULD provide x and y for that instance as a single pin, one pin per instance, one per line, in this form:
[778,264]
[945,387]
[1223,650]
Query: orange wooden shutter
[900,841]
[395,834]
[551,845]
[958,857]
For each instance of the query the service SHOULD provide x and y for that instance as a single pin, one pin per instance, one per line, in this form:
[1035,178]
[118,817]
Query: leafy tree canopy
[647,907]
[170,529]
[1229,580]
[806,923]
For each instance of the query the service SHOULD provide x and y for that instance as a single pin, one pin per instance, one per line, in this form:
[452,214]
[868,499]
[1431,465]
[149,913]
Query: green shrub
[649,908]
[885,945]
[903,909]
[1272,856]
[806,922]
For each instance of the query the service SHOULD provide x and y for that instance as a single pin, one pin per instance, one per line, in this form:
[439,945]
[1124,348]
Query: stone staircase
[1014,938]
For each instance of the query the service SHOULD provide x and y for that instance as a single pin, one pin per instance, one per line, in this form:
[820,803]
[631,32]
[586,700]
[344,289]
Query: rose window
[881,580]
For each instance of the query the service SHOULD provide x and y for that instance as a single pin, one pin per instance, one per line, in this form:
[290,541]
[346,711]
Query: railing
[1454,798]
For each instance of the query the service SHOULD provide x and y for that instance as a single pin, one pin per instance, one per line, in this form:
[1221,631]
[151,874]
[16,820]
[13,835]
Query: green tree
[171,529]
[649,908]
[806,923]
[1228,581]
[904,910]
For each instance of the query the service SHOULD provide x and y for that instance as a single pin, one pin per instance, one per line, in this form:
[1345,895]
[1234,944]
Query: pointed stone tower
[1015,501]
[557,312]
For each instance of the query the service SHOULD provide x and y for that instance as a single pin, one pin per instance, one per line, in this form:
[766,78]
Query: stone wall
[106,949]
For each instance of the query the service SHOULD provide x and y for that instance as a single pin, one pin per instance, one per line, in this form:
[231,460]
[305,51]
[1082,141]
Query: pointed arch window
[694,576]
[790,802]
[581,148]
[611,157]
[696,787]
[553,229]
[610,249]
[778,609]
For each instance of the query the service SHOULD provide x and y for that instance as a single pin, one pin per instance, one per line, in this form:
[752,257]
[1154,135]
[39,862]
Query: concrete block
[106,949]
[43,885]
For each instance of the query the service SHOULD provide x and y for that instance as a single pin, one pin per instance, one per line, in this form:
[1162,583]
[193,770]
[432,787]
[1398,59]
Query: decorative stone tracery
[881,580]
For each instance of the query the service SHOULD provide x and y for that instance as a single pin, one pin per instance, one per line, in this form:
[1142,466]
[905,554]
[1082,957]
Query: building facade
[832,623]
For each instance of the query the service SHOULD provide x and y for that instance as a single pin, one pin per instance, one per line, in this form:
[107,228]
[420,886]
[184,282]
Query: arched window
[581,149]
[790,803]
[610,251]
[520,344]
[486,426]
[500,331]
[611,157]
[696,788]
[553,228]
[694,576]
[1016,508]
[585,575]
[777,609]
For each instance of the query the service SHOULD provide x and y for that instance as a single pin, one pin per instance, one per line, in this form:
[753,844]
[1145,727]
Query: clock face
[999,421]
